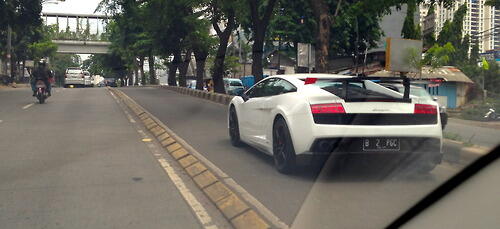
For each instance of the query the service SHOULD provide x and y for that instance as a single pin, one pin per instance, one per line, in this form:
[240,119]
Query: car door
[276,91]
[251,112]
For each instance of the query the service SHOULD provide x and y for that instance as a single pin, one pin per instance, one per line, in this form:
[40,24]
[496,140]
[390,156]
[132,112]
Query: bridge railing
[83,30]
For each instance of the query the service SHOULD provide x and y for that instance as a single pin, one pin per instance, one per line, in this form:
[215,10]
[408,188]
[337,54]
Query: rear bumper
[423,148]
[414,138]
[74,81]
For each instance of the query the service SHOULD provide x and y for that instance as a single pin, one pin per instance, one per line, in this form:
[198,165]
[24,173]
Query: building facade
[482,22]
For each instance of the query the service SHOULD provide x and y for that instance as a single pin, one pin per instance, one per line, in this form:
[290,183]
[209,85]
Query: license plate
[381,144]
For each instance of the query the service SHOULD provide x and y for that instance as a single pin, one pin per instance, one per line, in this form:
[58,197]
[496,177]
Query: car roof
[297,79]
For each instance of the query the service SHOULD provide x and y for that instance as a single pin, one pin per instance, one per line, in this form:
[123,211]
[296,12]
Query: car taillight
[425,109]
[330,108]
[310,81]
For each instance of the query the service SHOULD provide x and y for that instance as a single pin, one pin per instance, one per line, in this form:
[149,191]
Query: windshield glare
[244,113]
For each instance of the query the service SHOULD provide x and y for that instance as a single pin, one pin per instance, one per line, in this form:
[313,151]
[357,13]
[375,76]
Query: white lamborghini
[288,116]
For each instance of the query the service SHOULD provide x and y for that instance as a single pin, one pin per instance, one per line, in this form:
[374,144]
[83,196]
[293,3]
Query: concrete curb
[236,211]
[464,155]
[214,97]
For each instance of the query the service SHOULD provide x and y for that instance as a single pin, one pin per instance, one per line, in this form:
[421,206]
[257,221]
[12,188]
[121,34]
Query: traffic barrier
[214,97]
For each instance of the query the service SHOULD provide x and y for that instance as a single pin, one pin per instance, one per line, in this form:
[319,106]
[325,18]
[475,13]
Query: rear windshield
[235,83]
[416,91]
[355,90]
[74,71]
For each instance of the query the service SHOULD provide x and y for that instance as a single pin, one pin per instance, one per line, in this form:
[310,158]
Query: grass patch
[452,136]
[478,108]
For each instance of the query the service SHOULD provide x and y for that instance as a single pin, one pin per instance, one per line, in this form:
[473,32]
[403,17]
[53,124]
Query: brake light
[425,109]
[331,108]
[310,81]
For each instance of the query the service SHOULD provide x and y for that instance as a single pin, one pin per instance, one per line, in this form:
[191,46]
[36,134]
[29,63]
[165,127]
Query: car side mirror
[245,97]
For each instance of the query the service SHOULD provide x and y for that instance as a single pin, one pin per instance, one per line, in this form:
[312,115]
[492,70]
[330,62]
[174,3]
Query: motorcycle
[41,91]
[491,115]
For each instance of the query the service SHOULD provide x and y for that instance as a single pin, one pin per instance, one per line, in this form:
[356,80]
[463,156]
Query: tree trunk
[218,73]
[221,52]
[152,71]
[257,54]
[321,9]
[259,27]
[183,68]
[201,58]
[172,69]
[141,70]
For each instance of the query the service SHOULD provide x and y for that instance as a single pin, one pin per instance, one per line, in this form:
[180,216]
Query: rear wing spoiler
[399,80]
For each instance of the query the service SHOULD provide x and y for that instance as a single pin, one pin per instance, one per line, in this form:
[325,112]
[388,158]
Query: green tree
[495,3]
[410,30]
[261,12]
[438,56]
[452,30]
[325,17]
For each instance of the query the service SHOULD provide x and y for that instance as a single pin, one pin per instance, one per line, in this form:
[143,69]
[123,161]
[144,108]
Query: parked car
[423,94]
[110,82]
[288,116]
[89,81]
[74,76]
[233,86]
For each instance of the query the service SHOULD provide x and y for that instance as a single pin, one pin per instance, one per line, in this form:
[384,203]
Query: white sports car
[320,114]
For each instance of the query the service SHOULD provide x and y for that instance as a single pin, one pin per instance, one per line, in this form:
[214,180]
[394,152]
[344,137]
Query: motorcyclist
[41,72]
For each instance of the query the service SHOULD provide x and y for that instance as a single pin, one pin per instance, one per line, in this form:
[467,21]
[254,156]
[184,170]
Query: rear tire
[234,128]
[283,151]
[41,99]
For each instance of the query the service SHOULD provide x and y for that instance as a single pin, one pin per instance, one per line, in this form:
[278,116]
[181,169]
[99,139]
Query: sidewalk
[486,124]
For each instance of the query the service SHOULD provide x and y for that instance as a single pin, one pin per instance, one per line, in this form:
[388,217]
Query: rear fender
[299,123]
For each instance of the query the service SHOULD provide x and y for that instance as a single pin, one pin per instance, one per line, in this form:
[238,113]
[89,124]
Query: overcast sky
[71,6]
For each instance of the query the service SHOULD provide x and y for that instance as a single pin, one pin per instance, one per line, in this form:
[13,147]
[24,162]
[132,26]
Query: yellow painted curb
[204,179]
[173,147]
[163,137]
[195,169]
[187,161]
[180,153]
[167,142]
[249,220]
[231,206]
[217,191]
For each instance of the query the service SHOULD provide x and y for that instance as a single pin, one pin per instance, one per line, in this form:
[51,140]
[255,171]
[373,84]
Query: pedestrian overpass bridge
[82,47]
[78,45]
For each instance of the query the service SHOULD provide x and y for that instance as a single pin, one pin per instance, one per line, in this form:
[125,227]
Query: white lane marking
[198,209]
[28,106]
[113,94]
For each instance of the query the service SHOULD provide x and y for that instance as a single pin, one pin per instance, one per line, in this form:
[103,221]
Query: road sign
[305,55]
[403,55]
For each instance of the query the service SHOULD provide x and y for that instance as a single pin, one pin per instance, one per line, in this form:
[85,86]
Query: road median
[214,97]
[227,201]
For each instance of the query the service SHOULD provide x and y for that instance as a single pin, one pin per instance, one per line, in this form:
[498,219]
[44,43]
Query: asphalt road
[78,162]
[468,132]
[361,196]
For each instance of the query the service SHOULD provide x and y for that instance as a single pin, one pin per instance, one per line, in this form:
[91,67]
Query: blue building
[451,91]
